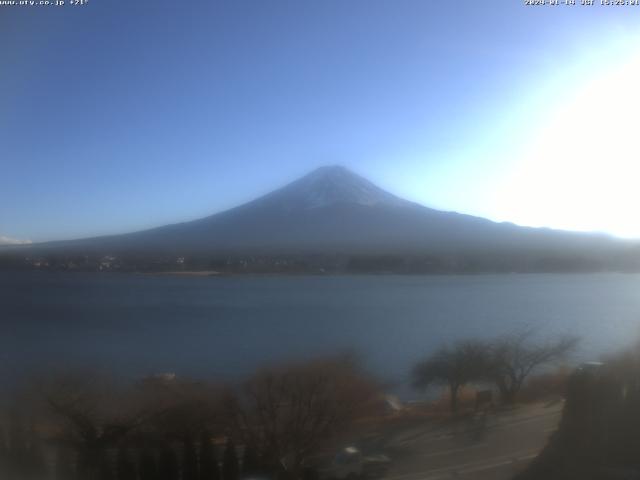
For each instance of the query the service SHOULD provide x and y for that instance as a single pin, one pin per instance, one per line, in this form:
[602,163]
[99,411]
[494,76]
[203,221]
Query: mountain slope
[333,210]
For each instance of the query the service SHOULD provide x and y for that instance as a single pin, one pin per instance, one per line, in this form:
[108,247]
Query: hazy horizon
[13,241]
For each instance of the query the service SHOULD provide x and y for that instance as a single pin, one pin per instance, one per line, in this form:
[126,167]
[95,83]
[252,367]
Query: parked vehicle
[350,463]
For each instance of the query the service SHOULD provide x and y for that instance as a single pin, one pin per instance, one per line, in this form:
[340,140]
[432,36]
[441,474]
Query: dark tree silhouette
[17,455]
[147,466]
[63,466]
[209,469]
[125,466]
[95,416]
[514,357]
[4,455]
[105,470]
[454,367]
[168,468]
[189,460]
[35,461]
[250,460]
[230,467]
[291,412]
[186,407]
[22,456]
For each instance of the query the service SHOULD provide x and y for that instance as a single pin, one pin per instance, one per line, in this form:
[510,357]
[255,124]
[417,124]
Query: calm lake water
[227,326]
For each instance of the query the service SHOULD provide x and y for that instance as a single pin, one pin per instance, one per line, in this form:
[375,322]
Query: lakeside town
[318,264]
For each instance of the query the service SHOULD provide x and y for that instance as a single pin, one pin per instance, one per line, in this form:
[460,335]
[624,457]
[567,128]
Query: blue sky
[121,115]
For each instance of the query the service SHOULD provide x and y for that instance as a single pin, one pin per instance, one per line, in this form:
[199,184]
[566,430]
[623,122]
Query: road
[492,446]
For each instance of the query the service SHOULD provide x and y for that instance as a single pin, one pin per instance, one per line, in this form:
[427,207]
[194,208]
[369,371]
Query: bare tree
[183,408]
[514,357]
[93,415]
[209,469]
[289,412]
[230,462]
[452,366]
[20,449]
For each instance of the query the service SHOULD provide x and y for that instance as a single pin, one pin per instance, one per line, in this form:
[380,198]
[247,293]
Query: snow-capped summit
[329,185]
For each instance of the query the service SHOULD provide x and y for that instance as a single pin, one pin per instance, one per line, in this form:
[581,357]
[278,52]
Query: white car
[350,463]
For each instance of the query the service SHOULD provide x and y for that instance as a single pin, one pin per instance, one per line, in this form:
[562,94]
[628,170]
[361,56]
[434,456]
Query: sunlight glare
[580,170]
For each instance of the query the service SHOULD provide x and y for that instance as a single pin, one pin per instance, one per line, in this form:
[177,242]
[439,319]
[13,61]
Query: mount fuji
[333,210]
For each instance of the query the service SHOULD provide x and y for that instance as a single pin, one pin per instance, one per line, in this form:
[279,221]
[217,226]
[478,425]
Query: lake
[228,326]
